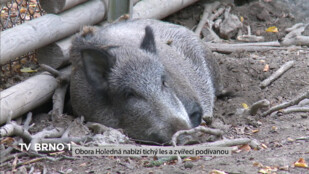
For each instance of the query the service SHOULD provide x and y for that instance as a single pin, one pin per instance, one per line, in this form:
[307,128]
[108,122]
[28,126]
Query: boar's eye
[163,80]
[128,94]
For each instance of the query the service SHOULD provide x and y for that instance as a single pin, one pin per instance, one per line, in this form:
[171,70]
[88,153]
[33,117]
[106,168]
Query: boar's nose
[196,115]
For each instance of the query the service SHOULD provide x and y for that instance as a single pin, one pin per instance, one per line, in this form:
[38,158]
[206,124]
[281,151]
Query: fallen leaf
[301,163]
[16,67]
[266,68]
[217,172]
[83,165]
[23,61]
[264,171]
[14,6]
[264,146]
[7,141]
[245,147]
[241,19]
[194,158]
[268,170]
[245,106]
[262,61]
[274,128]
[32,5]
[31,10]
[187,159]
[257,164]
[13,15]
[23,10]
[272,29]
[284,167]
[27,70]
[255,130]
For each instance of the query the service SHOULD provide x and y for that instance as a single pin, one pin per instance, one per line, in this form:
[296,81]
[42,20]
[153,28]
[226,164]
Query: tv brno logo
[45,146]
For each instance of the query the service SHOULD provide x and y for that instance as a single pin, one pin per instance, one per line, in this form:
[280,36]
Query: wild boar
[147,77]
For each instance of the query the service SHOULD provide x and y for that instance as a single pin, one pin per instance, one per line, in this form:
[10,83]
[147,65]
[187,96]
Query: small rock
[188,165]
[230,26]
[263,15]
[259,123]
[260,11]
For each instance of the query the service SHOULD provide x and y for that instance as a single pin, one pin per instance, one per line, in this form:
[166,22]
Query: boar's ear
[97,66]
[148,42]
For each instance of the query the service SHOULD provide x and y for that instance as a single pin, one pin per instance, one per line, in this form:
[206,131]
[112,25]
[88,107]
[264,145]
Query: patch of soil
[242,73]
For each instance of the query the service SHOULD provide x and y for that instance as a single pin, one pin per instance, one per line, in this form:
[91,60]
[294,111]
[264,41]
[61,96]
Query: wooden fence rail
[48,28]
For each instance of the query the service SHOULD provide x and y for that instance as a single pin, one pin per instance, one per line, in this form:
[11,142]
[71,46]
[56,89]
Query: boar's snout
[165,134]
[172,117]
[195,115]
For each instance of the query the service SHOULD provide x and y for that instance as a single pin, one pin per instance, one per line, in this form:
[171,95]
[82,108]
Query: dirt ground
[242,73]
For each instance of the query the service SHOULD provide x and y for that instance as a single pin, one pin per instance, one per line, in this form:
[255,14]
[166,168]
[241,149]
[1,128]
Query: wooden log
[57,54]
[57,6]
[159,9]
[27,95]
[117,8]
[48,28]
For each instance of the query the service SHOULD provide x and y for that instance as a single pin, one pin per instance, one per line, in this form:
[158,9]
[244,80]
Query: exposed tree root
[60,92]
[203,129]
[258,105]
[277,74]
[294,101]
